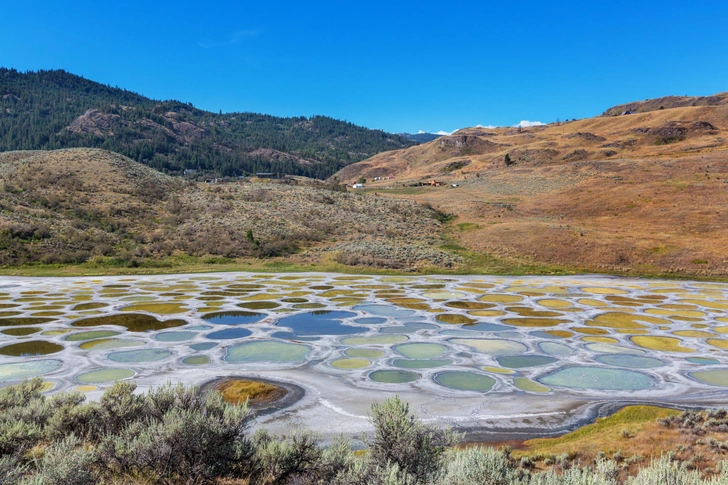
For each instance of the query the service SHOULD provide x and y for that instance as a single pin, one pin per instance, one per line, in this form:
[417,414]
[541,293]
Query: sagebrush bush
[175,434]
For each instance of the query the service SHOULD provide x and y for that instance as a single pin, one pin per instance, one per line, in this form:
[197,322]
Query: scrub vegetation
[175,434]
[107,212]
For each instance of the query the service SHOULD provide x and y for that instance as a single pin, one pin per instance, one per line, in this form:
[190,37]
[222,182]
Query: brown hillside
[668,102]
[77,205]
[640,193]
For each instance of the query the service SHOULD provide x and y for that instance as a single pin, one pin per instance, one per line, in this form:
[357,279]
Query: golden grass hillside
[644,193]
[633,436]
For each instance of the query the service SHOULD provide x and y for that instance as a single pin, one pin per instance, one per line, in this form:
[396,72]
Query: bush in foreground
[175,434]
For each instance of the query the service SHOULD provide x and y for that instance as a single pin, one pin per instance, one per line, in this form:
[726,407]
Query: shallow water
[31,348]
[492,346]
[521,361]
[320,323]
[394,376]
[139,356]
[134,322]
[420,363]
[175,336]
[196,360]
[718,377]
[110,344]
[586,377]
[26,370]
[93,334]
[104,375]
[629,361]
[421,351]
[530,386]
[267,351]
[350,363]
[203,346]
[465,381]
[234,318]
[587,337]
[364,353]
[229,334]
[384,311]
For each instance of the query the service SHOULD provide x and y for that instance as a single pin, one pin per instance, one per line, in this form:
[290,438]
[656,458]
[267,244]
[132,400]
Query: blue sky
[398,66]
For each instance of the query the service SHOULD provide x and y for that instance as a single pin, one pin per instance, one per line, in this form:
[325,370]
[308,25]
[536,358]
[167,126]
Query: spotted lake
[472,351]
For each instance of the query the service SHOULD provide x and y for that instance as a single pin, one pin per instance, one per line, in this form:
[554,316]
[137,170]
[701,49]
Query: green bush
[175,434]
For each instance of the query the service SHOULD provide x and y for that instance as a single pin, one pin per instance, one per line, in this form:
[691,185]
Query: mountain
[420,137]
[93,206]
[47,110]
[644,193]
[667,102]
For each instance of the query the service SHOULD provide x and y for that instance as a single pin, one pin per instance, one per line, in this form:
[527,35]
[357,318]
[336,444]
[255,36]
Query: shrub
[67,462]
[401,439]
[477,466]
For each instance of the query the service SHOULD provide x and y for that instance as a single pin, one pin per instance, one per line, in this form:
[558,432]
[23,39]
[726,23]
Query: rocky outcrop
[94,122]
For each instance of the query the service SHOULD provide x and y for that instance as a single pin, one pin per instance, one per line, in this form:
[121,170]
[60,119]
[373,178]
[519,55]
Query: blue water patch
[409,328]
[553,348]
[229,333]
[629,361]
[370,321]
[293,336]
[139,356]
[703,360]
[598,378]
[234,317]
[175,336]
[542,334]
[320,322]
[203,346]
[520,361]
[385,311]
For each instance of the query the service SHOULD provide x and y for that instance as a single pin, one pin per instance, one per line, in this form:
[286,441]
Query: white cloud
[487,127]
[445,133]
[526,124]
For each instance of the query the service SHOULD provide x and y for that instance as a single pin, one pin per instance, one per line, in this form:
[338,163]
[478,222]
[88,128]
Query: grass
[475,264]
[468,226]
[607,435]
[236,391]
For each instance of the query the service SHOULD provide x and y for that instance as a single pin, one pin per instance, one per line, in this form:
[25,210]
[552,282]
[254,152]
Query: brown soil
[641,194]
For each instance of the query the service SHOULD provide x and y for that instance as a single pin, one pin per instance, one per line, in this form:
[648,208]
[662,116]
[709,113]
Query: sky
[400,66]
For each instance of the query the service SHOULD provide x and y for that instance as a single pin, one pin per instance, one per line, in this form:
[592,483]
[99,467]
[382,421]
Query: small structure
[270,175]
[190,171]
[357,186]
[432,183]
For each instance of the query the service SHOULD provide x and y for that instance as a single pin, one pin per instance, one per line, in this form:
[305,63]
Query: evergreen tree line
[36,109]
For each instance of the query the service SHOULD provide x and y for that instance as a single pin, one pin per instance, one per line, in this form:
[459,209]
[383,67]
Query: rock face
[95,123]
[278,156]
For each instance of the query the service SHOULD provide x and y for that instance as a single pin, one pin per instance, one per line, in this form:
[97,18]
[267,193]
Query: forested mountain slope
[54,109]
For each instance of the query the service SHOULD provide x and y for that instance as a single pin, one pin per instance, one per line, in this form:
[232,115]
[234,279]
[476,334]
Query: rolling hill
[641,193]
[93,206]
[48,110]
